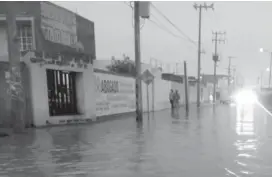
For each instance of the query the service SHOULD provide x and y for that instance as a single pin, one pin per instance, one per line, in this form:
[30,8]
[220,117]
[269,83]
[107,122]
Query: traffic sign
[147,77]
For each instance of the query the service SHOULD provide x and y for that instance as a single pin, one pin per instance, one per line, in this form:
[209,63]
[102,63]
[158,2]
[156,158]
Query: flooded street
[210,143]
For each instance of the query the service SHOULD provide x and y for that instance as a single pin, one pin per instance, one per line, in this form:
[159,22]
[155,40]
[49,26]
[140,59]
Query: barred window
[25,35]
[61,92]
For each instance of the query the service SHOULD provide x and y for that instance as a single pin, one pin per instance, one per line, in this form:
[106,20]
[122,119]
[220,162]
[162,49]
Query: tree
[125,66]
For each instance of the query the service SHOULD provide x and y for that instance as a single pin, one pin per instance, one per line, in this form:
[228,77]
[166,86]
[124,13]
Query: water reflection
[18,156]
[175,113]
[212,142]
[246,143]
[245,120]
[67,154]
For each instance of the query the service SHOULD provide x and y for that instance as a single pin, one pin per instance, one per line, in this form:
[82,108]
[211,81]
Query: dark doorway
[61,92]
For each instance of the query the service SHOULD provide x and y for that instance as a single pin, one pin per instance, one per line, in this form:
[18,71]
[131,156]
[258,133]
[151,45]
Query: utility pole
[234,78]
[270,67]
[229,72]
[216,59]
[200,6]
[17,99]
[138,84]
[186,88]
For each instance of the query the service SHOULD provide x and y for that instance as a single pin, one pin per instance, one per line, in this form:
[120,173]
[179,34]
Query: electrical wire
[162,27]
[131,6]
[175,26]
[166,30]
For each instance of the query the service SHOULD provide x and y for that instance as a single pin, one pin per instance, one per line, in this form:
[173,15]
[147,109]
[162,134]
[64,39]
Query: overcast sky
[247,25]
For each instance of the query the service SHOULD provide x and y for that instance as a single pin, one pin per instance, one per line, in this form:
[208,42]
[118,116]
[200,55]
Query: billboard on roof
[57,29]
[58,25]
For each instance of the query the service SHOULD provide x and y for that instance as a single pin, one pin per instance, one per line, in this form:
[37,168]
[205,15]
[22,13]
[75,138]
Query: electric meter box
[144,9]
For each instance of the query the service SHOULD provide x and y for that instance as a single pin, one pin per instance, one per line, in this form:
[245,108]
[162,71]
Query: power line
[162,27]
[175,26]
[129,4]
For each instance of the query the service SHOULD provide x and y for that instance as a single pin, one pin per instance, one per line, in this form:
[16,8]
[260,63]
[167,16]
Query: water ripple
[207,143]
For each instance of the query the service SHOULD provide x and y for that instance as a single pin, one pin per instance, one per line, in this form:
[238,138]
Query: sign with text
[114,94]
[58,24]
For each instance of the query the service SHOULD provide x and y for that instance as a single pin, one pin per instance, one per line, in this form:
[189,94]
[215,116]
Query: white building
[57,54]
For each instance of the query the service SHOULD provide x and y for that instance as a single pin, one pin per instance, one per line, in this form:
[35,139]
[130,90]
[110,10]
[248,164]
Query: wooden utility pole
[16,92]
[270,68]
[229,72]
[234,79]
[138,84]
[216,59]
[200,6]
[186,88]
[153,96]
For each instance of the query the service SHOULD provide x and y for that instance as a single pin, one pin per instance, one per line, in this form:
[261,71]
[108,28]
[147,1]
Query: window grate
[61,92]
[24,31]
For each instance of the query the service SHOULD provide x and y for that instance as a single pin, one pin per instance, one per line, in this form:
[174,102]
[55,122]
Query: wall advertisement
[114,94]
[58,25]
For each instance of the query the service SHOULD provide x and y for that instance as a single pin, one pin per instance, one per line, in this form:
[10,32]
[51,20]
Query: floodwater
[211,142]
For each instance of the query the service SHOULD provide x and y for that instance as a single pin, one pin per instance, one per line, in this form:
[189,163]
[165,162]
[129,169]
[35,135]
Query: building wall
[84,28]
[3,44]
[83,46]
[162,89]
[114,94]
[158,94]
[158,91]
[39,93]
[5,97]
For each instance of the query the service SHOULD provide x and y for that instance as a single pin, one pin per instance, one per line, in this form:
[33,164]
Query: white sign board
[58,24]
[114,94]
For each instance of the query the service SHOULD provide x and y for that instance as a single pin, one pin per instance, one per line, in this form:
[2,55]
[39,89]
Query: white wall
[181,89]
[3,44]
[120,101]
[160,88]
[148,97]
[106,104]
[39,94]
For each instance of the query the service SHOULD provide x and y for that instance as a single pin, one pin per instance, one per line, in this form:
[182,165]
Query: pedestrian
[171,98]
[176,98]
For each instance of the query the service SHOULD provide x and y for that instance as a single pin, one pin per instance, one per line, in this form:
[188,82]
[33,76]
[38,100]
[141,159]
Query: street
[213,142]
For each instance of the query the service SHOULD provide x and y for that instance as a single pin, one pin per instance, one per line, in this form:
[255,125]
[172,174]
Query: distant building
[221,83]
[209,79]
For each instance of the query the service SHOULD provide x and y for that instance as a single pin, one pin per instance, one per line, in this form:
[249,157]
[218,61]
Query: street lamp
[264,50]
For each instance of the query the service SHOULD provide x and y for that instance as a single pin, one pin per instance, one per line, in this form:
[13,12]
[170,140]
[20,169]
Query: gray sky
[246,23]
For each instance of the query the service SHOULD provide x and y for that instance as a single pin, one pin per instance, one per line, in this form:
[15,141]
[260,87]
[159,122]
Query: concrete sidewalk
[8,131]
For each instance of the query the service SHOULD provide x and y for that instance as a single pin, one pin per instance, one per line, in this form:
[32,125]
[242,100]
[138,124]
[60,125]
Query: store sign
[58,24]
[114,94]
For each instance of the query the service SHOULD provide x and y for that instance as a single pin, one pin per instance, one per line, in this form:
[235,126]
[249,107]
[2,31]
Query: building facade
[57,49]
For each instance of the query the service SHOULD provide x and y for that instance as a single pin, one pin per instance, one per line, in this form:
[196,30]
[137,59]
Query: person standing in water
[171,98]
[176,99]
